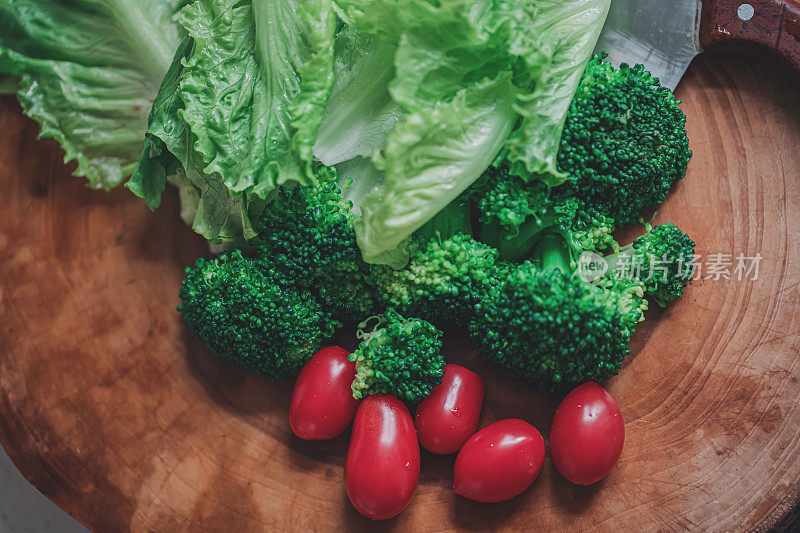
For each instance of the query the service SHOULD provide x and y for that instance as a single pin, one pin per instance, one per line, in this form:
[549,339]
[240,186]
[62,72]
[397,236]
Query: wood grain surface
[115,413]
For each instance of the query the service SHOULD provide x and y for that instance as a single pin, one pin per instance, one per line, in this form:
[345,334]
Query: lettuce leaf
[169,156]
[442,47]
[357,178]
[567,32]
[431,158]
[255,88]
[467,73]
[452,77]
[360,113]
[238,113]
[87,72]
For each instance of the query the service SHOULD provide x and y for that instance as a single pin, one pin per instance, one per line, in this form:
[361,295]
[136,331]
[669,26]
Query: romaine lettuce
[568,31]
[360,113]
[411,99]
[431,158]
[238,115]
[169,155]
[88,71]
[467,74]
[255,87]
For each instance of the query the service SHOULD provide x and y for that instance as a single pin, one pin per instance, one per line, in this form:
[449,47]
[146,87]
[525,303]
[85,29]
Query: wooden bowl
[113,411]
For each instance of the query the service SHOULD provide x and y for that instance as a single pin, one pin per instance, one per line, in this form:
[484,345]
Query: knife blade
[665,35]
[661,35]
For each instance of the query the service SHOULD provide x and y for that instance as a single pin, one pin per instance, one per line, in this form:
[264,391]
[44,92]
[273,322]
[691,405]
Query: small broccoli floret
[251,316]
[514,214]
[507,202]
[399,356]
[661,259]
[551,328]
[306,234]
[446,273]
[624,143]
[442,281]
[629,299]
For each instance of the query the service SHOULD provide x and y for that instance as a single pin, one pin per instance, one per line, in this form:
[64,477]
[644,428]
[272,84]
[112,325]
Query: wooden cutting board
[115,413]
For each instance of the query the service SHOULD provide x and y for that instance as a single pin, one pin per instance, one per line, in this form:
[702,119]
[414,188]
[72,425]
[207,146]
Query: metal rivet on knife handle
[754,27]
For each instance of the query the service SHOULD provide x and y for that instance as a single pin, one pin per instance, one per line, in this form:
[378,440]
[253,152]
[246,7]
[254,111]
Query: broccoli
[399,356]
[514,213]
[446,274]
[302,277]
[624,143]
[305,233]
[661,259]
[269,305]
[252,315]
[443,280]
[623,146]
[553,329]
[506,202]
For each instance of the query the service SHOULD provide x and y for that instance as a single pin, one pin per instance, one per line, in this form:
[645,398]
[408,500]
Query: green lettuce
[255,87]
[452,79]
[237,116]
[357,178]
[169,155]
[410,99]
[442,47]
[430,159]
[471,77]
[87,71]
[360,112]
[568,31]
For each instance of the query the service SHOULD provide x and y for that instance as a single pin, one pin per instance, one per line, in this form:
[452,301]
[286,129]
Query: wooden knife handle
[753,25]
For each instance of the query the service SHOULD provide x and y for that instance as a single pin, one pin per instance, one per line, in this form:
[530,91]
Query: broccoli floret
[514,214]
[399,356]
[251,315]
[443,280]
[623,146]
[630,299]
[505,202]
[661,259]
[305,233]
[624,143]
[553,329]
[447,270]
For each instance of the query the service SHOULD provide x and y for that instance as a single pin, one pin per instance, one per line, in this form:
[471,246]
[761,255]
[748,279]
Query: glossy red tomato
[587,434]
[322,403]
[450,414]
[381,470]
[499,462]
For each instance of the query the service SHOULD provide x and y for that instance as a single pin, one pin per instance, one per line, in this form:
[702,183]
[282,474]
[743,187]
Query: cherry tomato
[499,462]
[322,404]
[587,434]
[381,470]
[449,415]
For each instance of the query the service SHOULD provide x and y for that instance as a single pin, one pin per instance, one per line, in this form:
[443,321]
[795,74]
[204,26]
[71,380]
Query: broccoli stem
[519,245]
[553,253]
[625,254]
[452,220]
[513,247]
